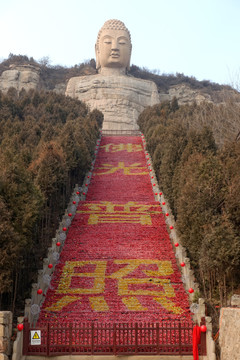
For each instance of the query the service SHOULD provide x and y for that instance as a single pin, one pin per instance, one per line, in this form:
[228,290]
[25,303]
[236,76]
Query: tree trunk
[15,291]
[225,289]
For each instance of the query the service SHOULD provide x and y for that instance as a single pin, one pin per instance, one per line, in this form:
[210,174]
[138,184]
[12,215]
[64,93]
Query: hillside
[219,104]
[46,145]
[54,76]
[201,182]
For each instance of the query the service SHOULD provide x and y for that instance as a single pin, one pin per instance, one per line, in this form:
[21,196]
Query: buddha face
[113,49]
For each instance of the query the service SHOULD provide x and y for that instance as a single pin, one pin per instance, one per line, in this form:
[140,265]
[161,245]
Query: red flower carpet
[117,263]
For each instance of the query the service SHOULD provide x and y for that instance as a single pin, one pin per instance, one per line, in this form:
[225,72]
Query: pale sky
[199,38]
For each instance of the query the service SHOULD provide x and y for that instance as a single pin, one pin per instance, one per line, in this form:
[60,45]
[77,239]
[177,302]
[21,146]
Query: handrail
[166,337]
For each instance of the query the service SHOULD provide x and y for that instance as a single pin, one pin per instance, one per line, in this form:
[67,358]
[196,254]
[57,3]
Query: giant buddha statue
[120,97]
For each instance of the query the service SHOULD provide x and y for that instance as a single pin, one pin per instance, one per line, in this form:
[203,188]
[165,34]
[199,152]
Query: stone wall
[229,333]
[5,334]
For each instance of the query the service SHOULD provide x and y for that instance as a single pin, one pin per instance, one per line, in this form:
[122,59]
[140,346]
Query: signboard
[35,337]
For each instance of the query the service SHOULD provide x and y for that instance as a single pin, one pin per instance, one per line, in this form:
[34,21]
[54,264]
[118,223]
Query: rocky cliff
[20,77]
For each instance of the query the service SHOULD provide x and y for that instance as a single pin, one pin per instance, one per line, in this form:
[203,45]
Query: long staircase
[117,287]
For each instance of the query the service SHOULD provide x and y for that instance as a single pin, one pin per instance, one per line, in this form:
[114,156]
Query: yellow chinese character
[95,219]
[129,288]
[60,304]
[98,303]
[127,170]
[122,147]
[133,304]
[164,268]
[108,212]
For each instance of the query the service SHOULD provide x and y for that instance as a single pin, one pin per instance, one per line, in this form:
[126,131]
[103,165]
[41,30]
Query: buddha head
[113,47]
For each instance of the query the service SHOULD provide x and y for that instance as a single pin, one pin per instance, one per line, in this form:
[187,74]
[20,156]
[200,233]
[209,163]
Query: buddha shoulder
[89,82]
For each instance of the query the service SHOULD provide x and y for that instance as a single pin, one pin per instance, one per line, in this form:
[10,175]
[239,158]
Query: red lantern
[152,177]
[77,192]
[86,184]
[190,290]
[182,264]
[64,229]
[160,193]
[176,244]
[167,214]
[154,184]
[20,327]
[83,193]
[156,193]
[163,203]
[39,291]
[150,170]
[147,154]
[50,266]
[171,227]
[88,176]
[74,202]
[69,214]
[58,243]
[203,328]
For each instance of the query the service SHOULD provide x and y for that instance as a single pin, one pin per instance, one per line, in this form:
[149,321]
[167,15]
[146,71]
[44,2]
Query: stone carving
[20,77]
[121,98]
[235,300]
[113,48]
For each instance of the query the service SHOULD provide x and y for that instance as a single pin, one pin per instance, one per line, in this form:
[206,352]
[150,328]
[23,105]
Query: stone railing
[5,334]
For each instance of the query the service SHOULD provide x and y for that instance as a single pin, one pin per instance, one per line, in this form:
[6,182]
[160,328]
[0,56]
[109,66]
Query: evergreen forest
[202,184]
[47,142]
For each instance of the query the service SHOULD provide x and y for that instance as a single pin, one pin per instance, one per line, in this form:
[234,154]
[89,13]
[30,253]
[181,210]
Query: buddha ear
[97,56]
[128,65]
